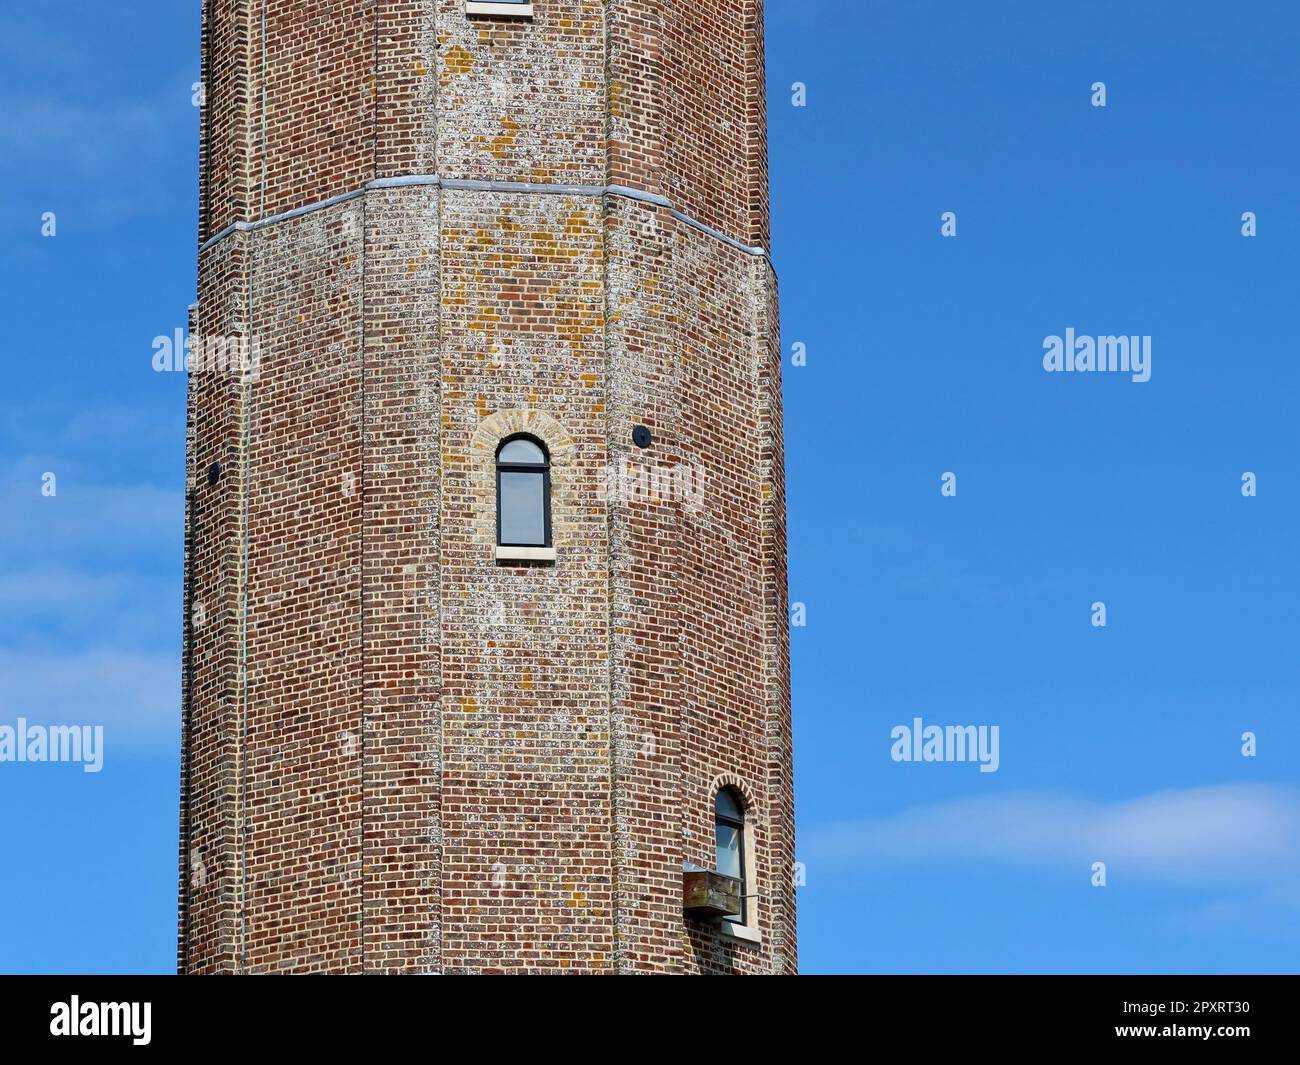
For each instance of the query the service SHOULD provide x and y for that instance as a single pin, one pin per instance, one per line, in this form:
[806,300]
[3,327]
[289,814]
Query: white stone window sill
[741,933]
[525,554]
[488,7]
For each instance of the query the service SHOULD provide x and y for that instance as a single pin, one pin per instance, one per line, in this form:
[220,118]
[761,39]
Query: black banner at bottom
[144,1013]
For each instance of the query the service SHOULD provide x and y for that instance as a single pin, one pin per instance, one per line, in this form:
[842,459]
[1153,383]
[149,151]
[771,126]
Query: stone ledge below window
[740,933]
[525,554]
[489,7]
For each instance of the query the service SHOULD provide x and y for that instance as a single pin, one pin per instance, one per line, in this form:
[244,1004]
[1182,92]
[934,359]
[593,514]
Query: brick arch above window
[736,784]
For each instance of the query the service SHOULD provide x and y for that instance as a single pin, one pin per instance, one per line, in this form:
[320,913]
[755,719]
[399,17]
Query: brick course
[400,754]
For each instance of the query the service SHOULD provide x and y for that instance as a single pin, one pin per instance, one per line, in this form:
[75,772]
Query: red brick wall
[402,755]
[211,723]
[401,484]
[712,113]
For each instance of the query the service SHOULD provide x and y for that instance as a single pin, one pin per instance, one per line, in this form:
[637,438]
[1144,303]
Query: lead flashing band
[471,185]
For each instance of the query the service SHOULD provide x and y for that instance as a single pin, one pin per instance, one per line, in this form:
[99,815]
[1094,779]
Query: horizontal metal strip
[469,185]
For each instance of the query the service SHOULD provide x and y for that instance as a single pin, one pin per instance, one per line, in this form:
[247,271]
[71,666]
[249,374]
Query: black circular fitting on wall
[641,436]
[214,473]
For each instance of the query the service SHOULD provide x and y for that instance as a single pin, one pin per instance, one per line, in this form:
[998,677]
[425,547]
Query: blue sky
[1119,744]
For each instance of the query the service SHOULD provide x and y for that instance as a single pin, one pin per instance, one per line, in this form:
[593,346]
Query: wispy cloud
[136,697]
[86,136]
[90,605]
[1231,834]
[28,41]
[95,518]
[57,590]
[142,428]
[61,608]
[95,155]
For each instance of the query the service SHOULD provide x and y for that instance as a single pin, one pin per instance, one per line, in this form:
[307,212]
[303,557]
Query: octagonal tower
[437,226]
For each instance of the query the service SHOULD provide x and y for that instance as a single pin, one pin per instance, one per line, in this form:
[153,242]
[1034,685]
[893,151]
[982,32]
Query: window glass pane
[727,806]
[523,508]
[729,851]
[521,451]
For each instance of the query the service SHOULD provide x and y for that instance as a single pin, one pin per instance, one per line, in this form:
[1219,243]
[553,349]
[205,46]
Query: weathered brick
[401,755]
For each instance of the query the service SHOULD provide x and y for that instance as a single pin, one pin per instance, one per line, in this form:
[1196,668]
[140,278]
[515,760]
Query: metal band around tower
[470,185]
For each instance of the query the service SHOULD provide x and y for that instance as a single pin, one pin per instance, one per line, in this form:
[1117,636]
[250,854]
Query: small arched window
[523,493]
[729,823]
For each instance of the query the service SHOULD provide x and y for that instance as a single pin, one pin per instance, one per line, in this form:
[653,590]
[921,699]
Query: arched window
[729,823]
[523,493]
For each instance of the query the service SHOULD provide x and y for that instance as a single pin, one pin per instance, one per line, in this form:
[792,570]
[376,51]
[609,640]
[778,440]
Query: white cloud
[95,160]
[55,591]
[135,428]
[1244,834]
[85,135]
[29,42]
[90,602]
[95,518]
[136,697]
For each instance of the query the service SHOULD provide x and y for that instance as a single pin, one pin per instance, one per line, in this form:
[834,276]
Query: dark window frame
[544,468]
[738,824]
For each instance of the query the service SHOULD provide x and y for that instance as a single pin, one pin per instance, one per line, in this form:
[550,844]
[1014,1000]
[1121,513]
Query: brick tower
[444,712]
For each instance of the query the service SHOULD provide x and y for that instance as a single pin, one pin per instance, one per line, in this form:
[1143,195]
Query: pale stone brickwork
[401,755]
